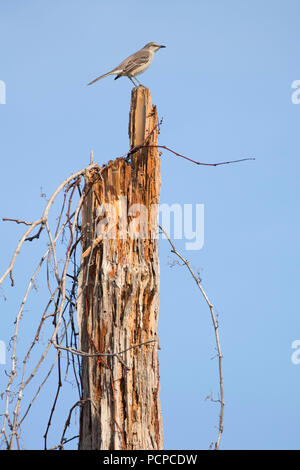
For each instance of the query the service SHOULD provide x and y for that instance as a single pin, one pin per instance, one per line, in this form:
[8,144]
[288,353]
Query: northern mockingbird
[135,64]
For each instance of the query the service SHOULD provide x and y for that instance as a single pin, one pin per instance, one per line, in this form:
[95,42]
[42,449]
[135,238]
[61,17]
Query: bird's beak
[162,46]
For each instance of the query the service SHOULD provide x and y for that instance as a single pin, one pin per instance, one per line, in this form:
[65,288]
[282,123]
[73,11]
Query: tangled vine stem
[59,301]
[216,331]
[196,162]
[117,355]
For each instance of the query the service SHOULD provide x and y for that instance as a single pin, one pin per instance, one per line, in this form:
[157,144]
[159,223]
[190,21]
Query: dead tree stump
[118,295]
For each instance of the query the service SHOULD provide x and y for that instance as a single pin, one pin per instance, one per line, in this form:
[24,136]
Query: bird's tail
[101,76]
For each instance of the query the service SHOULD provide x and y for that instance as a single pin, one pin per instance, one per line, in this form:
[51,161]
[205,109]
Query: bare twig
[67,423]
[138,147]
[117,355]
[40,222]
[216,328]
[6,219]
[59,385]
[59,297]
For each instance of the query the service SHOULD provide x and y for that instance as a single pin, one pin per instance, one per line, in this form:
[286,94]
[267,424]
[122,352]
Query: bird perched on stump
[135,64]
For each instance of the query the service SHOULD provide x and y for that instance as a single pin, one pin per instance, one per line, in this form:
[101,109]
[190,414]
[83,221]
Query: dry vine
[216,331]
[62,300]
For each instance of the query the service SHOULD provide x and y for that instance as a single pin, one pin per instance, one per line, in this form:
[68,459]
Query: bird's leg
[130,78]
[138,81]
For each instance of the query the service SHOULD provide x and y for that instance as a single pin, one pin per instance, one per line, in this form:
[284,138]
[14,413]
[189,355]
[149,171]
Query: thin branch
[6,219]
[59,385]
[61,296]
[138,147]
[41,222]
[216,327]
[19,246]
[67,423]
[117,355]
[37,235]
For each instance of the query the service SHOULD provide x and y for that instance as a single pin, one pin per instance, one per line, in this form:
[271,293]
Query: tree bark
[118,295]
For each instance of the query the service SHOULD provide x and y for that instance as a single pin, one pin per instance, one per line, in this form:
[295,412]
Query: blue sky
[223,87]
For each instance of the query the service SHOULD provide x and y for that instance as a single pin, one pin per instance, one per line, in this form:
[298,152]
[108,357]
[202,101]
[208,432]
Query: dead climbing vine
[215,324]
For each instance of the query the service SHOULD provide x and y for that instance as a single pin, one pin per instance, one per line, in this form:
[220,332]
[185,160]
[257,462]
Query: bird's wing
[133,61]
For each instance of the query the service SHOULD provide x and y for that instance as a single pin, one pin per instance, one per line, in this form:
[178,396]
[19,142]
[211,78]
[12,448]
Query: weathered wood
[119,294]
